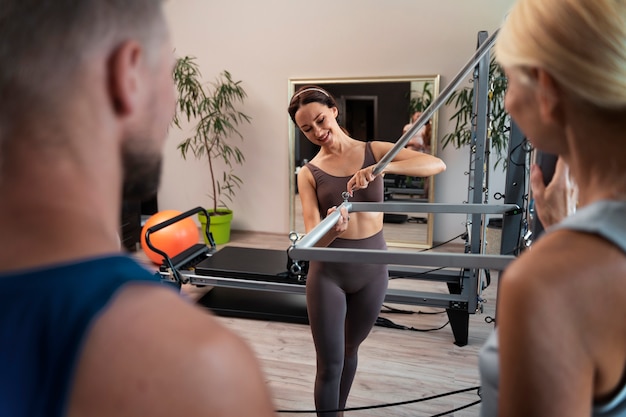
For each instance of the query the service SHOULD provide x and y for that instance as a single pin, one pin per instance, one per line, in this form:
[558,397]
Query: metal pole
[319,231]
[436,103]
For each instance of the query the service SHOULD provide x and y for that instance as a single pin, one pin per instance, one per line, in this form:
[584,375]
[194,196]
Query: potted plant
[422,99]
[498,118]
[214,109]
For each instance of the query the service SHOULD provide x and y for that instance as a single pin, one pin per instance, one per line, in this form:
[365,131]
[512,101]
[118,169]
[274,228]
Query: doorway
[361,114]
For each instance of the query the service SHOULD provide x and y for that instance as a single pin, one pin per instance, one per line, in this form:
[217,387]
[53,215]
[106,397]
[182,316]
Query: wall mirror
[376,108]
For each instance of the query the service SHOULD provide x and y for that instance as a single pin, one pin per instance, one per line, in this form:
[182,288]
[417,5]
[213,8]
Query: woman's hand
[557,200]
[342,224]
[361,179]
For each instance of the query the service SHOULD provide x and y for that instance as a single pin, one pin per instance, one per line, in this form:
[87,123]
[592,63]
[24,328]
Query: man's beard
[142,174]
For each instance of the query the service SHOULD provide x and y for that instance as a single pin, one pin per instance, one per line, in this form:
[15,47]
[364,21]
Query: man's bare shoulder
[153,352]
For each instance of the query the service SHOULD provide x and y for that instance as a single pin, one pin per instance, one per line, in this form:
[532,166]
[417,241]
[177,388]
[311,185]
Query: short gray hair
[44,42]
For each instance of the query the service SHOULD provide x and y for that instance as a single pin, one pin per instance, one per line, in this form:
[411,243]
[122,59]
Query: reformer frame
[464,287]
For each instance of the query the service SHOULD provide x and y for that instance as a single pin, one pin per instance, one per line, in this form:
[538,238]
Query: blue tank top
[45,315]
[329,187]
[606,219]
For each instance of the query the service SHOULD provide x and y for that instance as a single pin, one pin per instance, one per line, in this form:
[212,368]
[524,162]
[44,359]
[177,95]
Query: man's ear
[549,96]
[124,77]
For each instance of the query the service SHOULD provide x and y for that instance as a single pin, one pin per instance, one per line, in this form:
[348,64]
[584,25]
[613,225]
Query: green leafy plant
[420,101]
[498,121]
[214,109]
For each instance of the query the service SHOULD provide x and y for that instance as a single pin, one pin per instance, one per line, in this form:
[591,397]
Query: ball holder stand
[172,266]
[248,282]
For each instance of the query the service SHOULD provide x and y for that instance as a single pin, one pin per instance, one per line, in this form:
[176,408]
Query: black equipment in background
[547,163]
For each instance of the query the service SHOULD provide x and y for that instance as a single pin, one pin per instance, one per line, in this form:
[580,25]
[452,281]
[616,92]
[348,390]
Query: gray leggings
[343,302]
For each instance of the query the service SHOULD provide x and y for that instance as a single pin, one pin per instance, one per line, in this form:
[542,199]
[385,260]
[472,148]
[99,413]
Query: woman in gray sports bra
[344,299]
[559,347]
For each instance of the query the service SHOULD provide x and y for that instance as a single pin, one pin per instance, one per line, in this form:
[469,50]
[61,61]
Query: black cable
[419,274]
[399,311]
[371,407]
[385,322]
[462,235]
[416,274]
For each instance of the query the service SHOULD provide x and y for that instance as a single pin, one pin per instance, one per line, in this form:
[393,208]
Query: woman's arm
[310,208]
[406,162]
[308,199]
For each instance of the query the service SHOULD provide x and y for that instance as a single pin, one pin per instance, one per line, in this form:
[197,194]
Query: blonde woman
[559,348]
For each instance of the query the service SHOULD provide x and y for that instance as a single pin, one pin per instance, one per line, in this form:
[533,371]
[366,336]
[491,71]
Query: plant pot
[219,225]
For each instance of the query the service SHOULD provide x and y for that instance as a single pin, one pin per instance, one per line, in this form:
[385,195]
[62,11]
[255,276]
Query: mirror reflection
[381,108]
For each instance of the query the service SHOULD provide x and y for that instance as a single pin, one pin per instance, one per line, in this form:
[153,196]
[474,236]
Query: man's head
[99,65]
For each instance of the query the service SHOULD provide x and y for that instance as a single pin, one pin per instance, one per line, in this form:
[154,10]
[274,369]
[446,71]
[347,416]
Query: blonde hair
[581,43]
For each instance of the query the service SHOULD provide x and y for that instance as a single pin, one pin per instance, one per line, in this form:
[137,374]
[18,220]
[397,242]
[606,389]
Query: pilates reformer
[284,272]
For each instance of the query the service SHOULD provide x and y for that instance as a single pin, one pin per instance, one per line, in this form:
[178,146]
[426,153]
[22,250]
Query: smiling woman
[344,298]
[375,108]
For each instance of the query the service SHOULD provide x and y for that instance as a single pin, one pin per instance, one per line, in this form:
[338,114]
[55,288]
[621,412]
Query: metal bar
[431,299]
[217,281]
[208,280]
[478,189]
[312,238]
[319,231]
[436,103]
[370,256]
[388,207]
[481,87]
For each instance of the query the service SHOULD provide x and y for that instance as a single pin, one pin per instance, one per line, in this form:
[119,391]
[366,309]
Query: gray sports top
[604,218]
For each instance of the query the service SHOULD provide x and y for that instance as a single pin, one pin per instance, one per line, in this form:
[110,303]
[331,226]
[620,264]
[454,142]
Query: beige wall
[264,43]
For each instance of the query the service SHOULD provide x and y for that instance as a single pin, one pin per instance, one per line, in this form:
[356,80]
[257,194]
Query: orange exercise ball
[172,239]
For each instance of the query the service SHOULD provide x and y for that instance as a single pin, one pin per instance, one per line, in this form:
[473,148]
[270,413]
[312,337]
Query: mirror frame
[434,79]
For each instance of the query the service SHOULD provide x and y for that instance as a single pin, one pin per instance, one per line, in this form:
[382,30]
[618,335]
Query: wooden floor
[394,365]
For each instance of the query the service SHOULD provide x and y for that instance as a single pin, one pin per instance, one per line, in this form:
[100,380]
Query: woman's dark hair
[309,94]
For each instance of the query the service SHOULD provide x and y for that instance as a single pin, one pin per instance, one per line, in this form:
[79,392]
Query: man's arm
[154,354]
